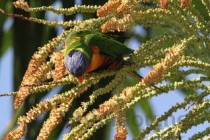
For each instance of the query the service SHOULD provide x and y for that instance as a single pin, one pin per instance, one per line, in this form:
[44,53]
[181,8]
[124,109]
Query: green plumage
[87,38]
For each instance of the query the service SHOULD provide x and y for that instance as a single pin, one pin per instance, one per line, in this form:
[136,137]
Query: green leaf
[132,122]
[7,41]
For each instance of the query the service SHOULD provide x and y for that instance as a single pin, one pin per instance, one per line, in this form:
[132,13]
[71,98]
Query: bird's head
[77,63]
[77,54]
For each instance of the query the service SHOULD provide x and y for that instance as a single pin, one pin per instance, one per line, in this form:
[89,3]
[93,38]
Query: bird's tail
[138,77]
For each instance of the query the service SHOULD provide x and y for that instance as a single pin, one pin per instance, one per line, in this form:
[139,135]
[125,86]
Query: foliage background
[25,37]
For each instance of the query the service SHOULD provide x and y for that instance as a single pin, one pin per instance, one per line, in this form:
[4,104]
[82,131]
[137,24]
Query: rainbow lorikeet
[87,51]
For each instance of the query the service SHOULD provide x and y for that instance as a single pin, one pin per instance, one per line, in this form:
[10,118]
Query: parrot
[88,51]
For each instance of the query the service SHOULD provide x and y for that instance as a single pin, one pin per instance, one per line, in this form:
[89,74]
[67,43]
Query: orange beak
[80,79]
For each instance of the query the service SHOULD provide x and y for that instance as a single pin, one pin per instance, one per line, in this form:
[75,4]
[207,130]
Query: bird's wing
[107,45]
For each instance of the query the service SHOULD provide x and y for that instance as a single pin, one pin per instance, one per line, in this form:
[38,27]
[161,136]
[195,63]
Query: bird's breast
[97,59]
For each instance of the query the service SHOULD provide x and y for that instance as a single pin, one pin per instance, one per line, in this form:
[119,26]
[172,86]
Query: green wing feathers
[107,45]
[83,39]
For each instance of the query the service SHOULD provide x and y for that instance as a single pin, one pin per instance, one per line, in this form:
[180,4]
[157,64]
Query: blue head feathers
[76,62]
